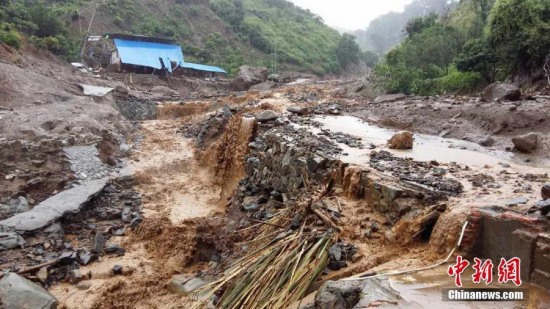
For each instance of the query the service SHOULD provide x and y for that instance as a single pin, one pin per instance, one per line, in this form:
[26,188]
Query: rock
[388,98]
[335,252]
[313,164]
[267,115]
[302,111]
[526,143]
[84,285]
[115,249]
[98,243]
[336,265]
[543,207]
[10,240]
[338,295]
[117,270]
[42,274]
[85,257]
[121,89]
[162,90]
[401,140]
[135,222]
[498,92]
[17,292]
[120,232]
[250,204]
[273,77]
[192,285]
[21,205]
[177,282]
[68,257]
[75,276]
[265,86]
[126,215]
[488,142]
[517,201]
[358,294]
[249,76]
[545,191]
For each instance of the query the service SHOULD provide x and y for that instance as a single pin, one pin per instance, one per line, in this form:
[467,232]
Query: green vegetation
[10,36]
[226,33]
[38,20]
[479,42]
[292,37]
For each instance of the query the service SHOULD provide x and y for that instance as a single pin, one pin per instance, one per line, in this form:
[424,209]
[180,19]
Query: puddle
[424,290]
[426,147]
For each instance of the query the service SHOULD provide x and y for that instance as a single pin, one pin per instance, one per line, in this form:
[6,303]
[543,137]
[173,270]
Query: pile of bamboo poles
[277,269]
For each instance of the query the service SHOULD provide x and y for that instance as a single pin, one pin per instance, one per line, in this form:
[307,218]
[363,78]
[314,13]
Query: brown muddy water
[426,147]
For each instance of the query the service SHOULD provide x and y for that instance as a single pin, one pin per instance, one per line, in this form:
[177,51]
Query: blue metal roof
[148,54]
[202,67]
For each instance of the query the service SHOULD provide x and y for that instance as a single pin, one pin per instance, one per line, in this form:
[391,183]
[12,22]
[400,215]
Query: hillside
[386,31]
[226,33]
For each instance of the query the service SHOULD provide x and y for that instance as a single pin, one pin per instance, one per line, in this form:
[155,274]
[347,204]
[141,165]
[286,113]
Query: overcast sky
[351,14]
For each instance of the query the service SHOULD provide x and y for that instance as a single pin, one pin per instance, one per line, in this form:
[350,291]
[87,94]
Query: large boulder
[501,92]
[401,140]
[526,143]
[267,115]
[388,98]
[249,76]
[17,292]
[265,86]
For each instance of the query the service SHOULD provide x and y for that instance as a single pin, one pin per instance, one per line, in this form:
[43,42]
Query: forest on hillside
[471,45]
[227,33]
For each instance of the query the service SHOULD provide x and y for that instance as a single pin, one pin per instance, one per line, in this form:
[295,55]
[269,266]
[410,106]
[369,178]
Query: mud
[206,182]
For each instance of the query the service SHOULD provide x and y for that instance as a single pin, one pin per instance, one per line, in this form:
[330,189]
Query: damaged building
[143,55]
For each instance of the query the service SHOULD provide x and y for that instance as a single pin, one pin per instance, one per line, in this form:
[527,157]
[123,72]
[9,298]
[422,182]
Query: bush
[454,82]
[118,20]
[10,37]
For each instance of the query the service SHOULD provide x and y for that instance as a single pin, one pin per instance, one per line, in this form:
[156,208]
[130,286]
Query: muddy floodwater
[426,147]
[424,290]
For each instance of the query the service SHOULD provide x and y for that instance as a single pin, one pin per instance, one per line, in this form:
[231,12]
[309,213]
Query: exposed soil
[206,181]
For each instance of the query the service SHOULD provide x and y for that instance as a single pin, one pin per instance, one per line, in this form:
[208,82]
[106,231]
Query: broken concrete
[17,292]
[55,207]
[95,91]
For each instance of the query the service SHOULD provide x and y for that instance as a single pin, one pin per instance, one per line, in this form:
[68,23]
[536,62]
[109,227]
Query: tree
[418,24]
[348,50]
[477,56]
[370,58]
[520,33]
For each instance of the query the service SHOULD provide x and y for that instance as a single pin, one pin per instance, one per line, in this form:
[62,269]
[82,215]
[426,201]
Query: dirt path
[175,190]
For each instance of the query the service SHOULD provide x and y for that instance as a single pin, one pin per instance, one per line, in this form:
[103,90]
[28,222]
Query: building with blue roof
[143,54]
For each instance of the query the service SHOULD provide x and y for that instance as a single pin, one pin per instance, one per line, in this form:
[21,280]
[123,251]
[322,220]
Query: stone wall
[289,160]
[503,234]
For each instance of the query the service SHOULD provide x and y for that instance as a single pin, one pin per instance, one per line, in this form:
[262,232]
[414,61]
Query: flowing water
[426,147]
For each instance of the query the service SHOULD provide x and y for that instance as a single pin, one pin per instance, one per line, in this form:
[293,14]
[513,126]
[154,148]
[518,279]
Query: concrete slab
[55,207]
[95,91]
